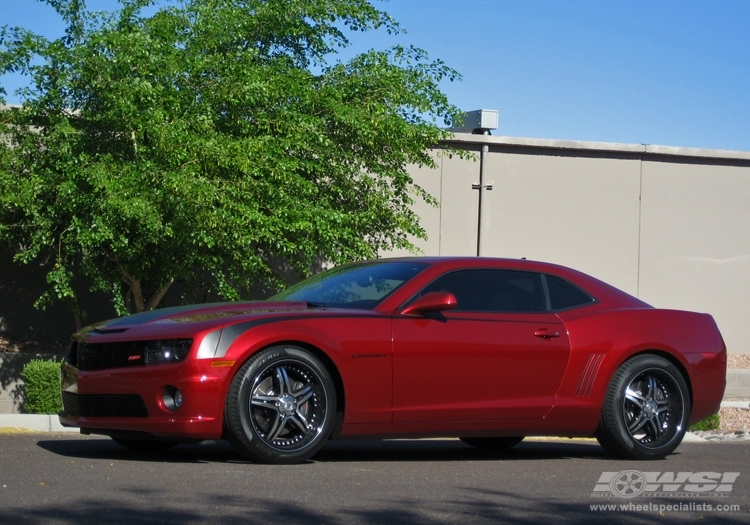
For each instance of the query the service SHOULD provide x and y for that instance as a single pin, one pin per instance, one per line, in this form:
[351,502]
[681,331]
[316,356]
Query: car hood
[183,321]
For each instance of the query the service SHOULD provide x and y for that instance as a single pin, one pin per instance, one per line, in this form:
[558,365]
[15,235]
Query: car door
[499,355]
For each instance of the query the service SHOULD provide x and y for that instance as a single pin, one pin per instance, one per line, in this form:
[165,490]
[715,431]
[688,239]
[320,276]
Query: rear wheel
[646,410]
[492,443]
[281,406]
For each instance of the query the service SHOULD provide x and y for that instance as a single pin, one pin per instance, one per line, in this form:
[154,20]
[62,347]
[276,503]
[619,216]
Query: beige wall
[580,212]
[695,242]
[669,225]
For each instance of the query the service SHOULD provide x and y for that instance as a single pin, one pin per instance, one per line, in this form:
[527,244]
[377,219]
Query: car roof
[608,295]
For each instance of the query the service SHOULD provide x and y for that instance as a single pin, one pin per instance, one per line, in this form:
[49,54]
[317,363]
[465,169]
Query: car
[486,350]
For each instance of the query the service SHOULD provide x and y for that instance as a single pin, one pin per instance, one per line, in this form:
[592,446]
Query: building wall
[695,242]
[668,225]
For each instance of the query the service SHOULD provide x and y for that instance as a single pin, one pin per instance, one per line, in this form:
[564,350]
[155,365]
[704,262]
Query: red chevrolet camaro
[487,350]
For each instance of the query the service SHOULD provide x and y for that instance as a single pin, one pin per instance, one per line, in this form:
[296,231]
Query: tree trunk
[139,302]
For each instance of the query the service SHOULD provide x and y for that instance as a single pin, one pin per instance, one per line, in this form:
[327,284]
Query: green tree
[206,141]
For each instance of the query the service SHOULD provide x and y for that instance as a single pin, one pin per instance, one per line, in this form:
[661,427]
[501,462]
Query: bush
[42,380]
[710,423]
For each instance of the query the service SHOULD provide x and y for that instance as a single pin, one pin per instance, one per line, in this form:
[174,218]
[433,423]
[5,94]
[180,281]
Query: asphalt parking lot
[66,479]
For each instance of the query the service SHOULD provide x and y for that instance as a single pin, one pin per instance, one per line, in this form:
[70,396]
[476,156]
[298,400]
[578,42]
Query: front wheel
[281,406]
[646,409]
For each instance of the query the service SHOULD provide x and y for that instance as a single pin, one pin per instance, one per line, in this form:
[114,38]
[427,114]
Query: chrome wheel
[653,406]
[288,405]
[281,406]
[646,409]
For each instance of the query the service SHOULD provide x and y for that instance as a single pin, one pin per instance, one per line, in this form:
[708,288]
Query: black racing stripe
[151,315]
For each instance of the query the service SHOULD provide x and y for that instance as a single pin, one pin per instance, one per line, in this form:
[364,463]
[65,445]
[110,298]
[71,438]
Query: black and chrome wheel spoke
[299,420]
[263,401]
[638,423]
[283,380]
[278,426]
[664,409]
[635,397]
[303,394]
[652,427]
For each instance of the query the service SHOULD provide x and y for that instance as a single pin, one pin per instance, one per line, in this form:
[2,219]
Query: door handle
[546,333]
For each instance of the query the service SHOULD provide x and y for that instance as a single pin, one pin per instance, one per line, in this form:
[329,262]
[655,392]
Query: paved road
[71,479]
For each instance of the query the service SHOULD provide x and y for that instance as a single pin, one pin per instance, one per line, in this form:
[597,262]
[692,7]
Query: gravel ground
[734,419]
[738,361]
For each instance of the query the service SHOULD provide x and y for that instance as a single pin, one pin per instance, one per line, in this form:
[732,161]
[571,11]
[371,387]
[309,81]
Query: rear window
[563,294]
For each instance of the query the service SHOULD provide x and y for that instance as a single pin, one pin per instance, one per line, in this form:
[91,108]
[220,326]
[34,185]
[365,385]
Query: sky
[664,72]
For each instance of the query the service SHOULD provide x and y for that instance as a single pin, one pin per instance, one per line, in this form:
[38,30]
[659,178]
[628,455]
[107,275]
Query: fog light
[172,398]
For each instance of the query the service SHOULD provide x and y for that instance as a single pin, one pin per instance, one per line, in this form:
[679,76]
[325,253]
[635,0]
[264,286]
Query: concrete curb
[745,405]
[34,422]
[738,383]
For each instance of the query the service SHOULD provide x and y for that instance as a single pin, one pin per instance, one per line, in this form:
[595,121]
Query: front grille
[126,354]
[100,356]
[98,405]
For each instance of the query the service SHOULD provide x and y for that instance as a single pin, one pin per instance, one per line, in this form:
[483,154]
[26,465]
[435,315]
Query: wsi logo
[632,483]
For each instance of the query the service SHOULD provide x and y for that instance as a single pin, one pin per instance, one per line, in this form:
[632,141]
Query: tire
[646,409]
[281,406]
[494,444]
[146,445]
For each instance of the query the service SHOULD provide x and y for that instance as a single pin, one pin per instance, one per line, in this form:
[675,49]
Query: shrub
[710,423]
[42,381]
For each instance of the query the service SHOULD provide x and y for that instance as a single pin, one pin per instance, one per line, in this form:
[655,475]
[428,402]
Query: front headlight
[166,351]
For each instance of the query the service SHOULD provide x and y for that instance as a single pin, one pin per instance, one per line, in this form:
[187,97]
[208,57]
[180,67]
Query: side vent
[589,373]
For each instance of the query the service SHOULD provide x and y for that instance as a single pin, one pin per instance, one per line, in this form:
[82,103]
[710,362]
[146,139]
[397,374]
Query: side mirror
[431,302]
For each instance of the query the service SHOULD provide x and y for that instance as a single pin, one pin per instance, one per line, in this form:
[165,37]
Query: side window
[563,294]
[492,290]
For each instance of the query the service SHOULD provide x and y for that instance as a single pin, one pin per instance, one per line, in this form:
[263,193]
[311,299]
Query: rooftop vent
[479,122]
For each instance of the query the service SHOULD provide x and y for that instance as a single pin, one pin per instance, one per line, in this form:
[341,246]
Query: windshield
[359,285]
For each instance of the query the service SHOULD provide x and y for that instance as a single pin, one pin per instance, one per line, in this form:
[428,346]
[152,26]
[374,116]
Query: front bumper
[130,400]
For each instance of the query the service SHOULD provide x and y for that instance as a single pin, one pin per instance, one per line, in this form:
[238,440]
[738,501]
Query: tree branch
[153,302]
[135,288]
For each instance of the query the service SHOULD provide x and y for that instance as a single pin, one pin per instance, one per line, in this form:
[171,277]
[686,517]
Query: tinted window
[362,285]
[492,290]
[563,294]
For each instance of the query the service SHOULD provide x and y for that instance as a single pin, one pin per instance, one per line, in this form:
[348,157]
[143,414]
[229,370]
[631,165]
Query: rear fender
[602,342]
